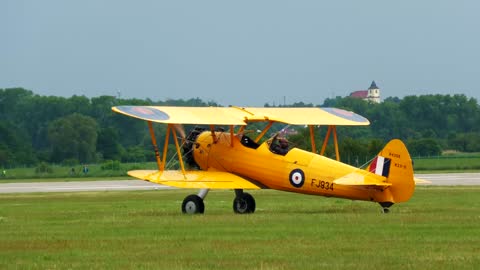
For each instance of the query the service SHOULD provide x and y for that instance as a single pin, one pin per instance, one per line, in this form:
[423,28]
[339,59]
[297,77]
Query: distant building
[372,94]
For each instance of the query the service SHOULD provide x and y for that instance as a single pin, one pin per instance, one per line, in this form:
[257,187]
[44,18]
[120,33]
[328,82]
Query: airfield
[101,225]
[443,179]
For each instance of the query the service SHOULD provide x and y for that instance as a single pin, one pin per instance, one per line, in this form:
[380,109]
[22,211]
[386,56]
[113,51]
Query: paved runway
[76,186]
[451,179]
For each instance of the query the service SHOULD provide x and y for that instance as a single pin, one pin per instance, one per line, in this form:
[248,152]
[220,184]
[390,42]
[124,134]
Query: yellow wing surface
[194,179]
[184,115]
[362,178]
[307,116]
[419,181]
[240,116]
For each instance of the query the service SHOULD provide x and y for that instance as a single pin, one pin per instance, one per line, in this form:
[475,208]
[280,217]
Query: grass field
[447,164]
[437,229]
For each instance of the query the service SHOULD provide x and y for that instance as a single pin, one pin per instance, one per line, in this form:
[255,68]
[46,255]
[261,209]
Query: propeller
[180,131]
[189,142]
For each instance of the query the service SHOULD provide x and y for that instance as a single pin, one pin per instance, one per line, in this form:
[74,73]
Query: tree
[35,127]
[9,102]
[136,154]
[375,146]
[424,147]
[352,151]
[15,147]
[73,137]
[108,145]
[6,156]
[465,142]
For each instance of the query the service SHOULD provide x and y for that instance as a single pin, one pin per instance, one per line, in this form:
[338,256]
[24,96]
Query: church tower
[373,93]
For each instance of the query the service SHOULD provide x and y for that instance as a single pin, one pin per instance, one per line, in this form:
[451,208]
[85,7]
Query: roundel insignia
[145,112]
[297,178]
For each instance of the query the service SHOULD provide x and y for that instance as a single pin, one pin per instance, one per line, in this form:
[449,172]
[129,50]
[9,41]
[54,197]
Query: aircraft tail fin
[394,163]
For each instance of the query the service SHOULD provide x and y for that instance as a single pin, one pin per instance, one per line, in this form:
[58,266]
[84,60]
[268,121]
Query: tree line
[35,128]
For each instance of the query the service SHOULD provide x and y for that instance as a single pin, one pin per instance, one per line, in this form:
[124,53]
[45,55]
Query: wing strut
[231,135]
[270,123]
[212,130]
[179,153]
[165,148]
[241,130]
[161,162]
[325,141]
[155,147]
[312,139]
[335,141]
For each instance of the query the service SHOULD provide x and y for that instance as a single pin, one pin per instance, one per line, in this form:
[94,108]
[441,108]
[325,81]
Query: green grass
[437,229]
[62,172]
[446,163]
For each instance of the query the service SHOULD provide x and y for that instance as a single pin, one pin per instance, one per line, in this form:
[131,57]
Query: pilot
[280,146]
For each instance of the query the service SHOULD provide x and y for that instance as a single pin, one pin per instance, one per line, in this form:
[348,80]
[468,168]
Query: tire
[244,204]
[192,204]
[386,206]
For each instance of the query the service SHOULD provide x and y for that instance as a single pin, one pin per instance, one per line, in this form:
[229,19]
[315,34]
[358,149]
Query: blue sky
[244,53]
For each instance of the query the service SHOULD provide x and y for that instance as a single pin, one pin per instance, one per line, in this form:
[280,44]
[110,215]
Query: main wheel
[193,204]
[244,204]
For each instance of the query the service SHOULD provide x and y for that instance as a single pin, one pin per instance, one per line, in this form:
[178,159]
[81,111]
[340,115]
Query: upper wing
[240,116]
[307,116]
[185,115]
[195,179]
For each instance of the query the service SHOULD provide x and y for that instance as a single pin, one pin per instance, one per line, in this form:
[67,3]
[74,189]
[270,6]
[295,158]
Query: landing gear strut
[244,203]
[386,206]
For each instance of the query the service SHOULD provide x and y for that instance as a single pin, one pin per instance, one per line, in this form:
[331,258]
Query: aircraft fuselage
[298,171]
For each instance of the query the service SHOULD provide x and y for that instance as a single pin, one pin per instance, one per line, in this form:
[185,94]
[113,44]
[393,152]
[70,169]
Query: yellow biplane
[228,158]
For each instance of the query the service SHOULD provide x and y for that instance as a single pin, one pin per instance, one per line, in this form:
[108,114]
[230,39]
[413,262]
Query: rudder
[394,163]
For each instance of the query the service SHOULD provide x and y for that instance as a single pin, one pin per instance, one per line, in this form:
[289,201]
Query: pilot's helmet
[283,142]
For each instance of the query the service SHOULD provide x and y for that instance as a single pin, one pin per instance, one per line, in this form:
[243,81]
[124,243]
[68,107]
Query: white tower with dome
[373,93]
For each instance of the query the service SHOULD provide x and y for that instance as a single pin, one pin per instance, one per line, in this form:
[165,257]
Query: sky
[244,53]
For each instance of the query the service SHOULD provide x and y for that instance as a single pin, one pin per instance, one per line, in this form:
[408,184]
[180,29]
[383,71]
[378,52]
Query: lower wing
[195,179]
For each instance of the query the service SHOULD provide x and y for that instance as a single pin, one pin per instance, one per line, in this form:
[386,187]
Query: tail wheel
[244,204]
[193,204]
[386,206]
